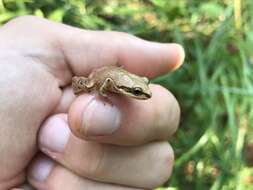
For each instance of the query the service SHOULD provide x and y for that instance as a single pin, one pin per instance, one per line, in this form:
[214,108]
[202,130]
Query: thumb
[90,115]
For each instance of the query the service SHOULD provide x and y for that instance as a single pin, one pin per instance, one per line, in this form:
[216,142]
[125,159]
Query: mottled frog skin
[113,79]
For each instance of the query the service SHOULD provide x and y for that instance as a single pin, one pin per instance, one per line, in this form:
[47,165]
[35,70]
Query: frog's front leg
[106,86]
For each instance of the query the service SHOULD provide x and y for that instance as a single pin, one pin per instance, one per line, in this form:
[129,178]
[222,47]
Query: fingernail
[179,56]
[41,169]
[54,135]
[101,118]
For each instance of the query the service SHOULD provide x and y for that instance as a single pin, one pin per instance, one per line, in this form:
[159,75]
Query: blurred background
[214,144]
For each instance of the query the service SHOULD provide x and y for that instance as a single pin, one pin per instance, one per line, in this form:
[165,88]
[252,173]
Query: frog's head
[134,86]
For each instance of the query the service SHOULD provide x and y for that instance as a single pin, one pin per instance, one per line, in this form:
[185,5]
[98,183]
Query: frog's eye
[137,91]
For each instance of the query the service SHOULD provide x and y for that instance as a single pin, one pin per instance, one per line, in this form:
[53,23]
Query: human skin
[125,141]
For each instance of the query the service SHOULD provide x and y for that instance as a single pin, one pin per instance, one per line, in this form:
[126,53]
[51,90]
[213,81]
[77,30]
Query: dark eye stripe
[136,91]
[126,89]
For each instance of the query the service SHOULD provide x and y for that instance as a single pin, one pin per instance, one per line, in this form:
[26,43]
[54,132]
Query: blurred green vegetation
[214,145]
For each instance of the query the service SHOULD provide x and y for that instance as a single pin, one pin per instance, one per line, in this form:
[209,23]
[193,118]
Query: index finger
[87,50]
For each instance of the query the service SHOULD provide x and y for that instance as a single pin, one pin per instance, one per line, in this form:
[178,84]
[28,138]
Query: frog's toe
[102,93]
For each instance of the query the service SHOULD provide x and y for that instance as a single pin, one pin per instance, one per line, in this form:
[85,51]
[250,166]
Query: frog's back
[102,73]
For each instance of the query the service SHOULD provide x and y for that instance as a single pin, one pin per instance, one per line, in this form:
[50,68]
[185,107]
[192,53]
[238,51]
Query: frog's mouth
[144,96]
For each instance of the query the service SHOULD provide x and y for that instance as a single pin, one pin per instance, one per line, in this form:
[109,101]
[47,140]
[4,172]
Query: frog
[113,79]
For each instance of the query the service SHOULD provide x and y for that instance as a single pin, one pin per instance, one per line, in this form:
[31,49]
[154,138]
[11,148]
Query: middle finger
[145,166]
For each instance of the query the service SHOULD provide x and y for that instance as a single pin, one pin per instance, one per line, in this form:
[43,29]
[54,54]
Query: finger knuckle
[174,113]
[168,114]
[121,39]
[95,168]
[164,165]
[24,19]
[121,34]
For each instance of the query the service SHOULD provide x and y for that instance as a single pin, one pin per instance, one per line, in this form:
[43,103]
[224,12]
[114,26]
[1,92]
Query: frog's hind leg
[106,86]
[81,84]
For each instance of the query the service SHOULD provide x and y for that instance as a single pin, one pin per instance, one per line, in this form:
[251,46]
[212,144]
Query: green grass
[214,86]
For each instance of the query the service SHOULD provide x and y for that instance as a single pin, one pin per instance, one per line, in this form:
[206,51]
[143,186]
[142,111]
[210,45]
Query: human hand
[124,141]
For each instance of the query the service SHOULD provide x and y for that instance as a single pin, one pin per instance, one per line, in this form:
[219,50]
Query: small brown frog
[113,79]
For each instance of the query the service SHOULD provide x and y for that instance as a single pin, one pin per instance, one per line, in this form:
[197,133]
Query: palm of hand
[29,93]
